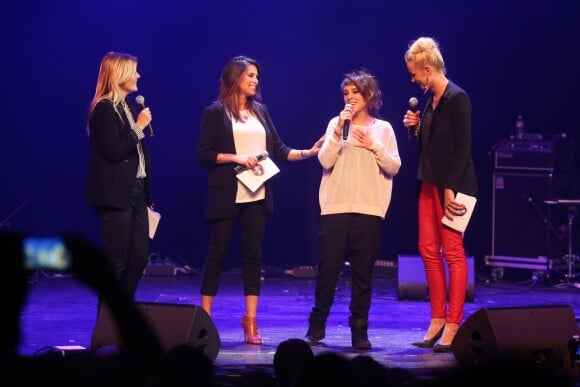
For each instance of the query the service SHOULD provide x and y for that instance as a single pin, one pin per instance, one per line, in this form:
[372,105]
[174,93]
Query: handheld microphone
[346,126]
[413,130]
[141,102]
[263,155]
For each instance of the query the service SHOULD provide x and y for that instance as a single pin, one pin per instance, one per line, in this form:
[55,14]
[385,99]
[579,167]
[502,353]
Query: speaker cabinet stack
[525,231]
[521,220]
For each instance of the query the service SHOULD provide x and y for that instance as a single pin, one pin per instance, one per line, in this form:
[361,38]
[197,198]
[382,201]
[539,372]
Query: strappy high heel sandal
[251,333]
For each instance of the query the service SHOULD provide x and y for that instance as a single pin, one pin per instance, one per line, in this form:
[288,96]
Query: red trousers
[440,245]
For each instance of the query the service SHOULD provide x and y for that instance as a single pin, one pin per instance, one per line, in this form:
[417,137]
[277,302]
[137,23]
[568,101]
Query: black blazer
[449,143]
[113,159]
[216,136]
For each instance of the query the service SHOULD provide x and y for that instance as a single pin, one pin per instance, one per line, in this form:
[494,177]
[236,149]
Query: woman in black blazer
[445,168]
[118,179]
[234,130]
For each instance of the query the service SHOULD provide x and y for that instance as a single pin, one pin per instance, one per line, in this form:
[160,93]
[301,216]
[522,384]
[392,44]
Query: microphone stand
[545,218]
[6,220]
[570,257]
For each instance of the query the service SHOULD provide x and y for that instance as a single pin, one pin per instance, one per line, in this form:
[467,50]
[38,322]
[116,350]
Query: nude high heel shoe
[251,333]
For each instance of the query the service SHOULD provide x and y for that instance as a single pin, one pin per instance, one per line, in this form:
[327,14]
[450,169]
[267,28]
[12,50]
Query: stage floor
[60,311]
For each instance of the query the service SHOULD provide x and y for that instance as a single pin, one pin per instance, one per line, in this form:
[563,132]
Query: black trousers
[353,236]
[253,220]
[126,238]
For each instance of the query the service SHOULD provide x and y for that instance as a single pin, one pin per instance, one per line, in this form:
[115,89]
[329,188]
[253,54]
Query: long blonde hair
[116,68]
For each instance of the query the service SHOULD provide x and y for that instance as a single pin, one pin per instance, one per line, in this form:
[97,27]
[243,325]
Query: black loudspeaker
[522,223]
[174,324]
[535,334]
[412,283]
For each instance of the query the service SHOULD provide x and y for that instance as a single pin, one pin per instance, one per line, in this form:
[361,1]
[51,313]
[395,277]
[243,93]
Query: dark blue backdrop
[513,57]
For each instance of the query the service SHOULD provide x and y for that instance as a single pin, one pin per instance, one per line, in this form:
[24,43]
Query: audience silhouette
[184,365]
[370,372]
[140,361]
[126,365]
[327,369]
[290,357]
[509,371]
[256,378]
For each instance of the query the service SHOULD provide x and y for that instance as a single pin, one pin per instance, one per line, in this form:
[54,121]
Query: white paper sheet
[154,217]
[257,176]
[460,223]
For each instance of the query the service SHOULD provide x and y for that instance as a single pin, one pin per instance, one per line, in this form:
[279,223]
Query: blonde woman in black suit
[118,179]
[443,131]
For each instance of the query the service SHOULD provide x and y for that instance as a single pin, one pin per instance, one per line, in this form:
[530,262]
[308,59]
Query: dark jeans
[253,220]
[126,238]
[357,237]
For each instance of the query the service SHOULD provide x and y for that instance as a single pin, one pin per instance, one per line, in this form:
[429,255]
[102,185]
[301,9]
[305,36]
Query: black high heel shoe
[451,331]
[442,348]
[429,343]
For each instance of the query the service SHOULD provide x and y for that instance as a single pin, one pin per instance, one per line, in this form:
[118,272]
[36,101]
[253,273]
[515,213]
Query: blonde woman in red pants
[443,131]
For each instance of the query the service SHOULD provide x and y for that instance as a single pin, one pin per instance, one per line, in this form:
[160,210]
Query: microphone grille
[140,100]
[413,102]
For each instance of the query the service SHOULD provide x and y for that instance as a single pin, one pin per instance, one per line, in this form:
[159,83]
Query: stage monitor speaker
[528,333]
[174,324]
[522,224]
[412,283]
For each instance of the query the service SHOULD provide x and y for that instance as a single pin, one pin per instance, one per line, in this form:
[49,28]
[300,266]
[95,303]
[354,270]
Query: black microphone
[141,102]
[413,130]
[346,125]
[263,155]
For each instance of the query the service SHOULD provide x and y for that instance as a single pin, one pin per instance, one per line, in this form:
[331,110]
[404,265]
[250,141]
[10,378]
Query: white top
[249,138]
[356,179]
